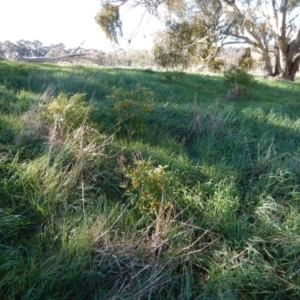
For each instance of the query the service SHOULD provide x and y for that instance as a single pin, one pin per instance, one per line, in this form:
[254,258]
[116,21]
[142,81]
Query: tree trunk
[287,61]
[268,68]
[286,51]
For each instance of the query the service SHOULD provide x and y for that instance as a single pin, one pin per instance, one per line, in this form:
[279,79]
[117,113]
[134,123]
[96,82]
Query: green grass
[88,213]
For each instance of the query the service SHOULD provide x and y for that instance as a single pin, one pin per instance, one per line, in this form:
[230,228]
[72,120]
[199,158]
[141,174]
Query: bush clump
[238,80]
[64,114]
[129,109]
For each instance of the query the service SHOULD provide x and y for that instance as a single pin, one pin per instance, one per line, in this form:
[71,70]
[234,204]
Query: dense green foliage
[238,79]
[122,184]
[109,21]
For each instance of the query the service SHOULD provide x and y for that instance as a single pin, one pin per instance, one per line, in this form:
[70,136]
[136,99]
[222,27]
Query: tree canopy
[200,28]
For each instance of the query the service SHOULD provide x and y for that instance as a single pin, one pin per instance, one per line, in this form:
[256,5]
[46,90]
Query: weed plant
[118,184]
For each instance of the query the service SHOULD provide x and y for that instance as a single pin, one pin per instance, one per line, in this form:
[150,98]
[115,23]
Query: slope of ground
[134,184]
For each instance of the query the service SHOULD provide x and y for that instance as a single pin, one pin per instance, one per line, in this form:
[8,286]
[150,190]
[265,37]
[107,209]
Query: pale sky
[68,21]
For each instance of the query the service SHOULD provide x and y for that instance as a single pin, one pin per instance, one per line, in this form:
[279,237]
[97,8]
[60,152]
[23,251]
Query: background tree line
[199,29]
[129,58]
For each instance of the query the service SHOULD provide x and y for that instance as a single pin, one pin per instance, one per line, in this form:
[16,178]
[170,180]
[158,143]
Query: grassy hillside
[135,184]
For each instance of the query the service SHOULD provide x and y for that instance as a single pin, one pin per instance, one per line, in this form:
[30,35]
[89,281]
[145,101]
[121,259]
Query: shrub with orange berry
[147,186]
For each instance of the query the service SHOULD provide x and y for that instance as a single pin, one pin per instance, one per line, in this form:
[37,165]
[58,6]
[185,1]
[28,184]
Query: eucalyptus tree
[200,28]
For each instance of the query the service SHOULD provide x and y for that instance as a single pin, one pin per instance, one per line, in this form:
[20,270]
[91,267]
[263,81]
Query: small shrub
[146,186]
[140,93]
[129,117]
[64,115]
[70,111]
[129,110]
[238,80]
